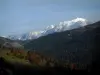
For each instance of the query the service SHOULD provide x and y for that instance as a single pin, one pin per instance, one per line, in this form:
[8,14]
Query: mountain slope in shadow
[73,45]
[7,68]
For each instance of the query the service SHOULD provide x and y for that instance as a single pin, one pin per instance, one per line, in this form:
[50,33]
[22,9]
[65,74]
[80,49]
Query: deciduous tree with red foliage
[73,66]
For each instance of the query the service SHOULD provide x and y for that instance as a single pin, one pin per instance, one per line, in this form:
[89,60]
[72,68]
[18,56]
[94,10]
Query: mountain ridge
[74,45]
[62,26]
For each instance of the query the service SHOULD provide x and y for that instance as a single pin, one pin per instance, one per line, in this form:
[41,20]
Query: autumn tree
[73,66]
[0,45]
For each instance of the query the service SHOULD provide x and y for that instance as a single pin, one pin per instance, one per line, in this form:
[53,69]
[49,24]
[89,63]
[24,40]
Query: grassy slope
[22,66]
[13,59]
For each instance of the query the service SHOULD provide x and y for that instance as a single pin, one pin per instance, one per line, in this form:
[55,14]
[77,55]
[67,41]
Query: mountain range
[3,40]
[62,26]
[76,45]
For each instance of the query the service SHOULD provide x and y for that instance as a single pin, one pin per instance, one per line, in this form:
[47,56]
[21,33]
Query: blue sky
[21,16]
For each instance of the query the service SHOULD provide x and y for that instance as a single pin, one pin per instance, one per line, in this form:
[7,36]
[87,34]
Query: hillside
[19,62]
[3,40]
[32,58]
[72,45]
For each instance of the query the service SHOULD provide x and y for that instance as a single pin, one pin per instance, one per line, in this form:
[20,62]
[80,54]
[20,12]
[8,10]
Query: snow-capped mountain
[62,26]
[26,36]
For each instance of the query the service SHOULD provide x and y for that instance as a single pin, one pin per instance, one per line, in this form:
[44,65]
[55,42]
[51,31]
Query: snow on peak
[79,19]
[34,33]
[67,25]
[50,27]
[62,26]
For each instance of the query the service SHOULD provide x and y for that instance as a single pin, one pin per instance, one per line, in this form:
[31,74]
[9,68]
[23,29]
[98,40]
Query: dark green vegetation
[7,68]
[73,45]
[18,62]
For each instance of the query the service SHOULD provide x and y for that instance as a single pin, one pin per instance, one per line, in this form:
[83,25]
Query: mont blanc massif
[62,26]
[69,42]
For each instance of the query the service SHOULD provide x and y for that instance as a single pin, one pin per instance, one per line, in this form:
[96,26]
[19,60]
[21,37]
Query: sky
[21,16]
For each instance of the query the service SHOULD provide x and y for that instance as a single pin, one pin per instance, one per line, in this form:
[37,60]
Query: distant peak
[62,26]
[50,27]
[4,36]
[79,19]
